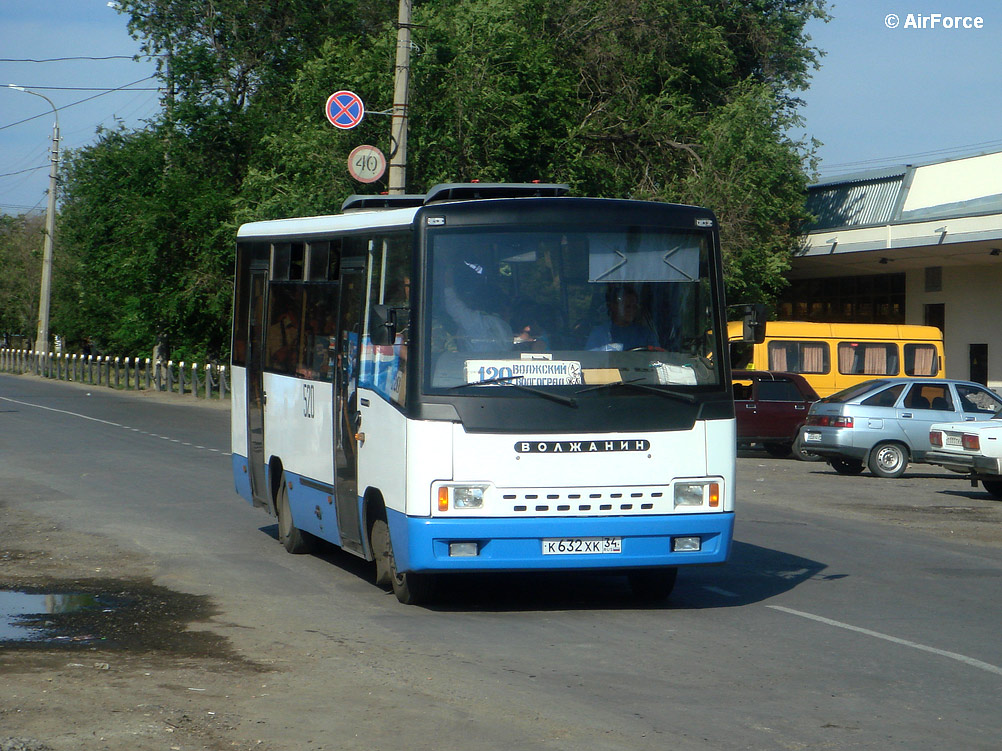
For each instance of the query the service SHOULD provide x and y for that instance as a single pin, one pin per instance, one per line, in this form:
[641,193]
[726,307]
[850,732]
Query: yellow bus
[833,356]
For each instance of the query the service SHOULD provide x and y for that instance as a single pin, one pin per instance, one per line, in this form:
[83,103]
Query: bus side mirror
[386,322]
[753,324]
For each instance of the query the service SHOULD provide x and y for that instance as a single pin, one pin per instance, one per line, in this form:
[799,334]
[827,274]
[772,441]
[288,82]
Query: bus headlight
[468,496]
[702,493]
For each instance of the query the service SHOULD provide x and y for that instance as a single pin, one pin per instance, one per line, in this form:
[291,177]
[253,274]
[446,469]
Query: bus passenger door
[255,389]
[346,408]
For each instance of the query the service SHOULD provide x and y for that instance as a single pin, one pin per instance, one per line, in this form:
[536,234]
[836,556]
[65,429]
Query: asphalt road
[855,612]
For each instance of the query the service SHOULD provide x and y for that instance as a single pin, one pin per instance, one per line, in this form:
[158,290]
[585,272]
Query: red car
[771,407]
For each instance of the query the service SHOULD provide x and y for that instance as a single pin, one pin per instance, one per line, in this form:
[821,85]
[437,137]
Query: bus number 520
[308,402]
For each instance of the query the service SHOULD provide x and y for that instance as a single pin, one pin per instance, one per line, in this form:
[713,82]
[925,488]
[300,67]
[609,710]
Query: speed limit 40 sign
[366,164]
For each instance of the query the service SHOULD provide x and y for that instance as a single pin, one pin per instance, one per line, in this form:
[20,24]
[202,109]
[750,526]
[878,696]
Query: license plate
[953,440]
[812,436]
[582,545]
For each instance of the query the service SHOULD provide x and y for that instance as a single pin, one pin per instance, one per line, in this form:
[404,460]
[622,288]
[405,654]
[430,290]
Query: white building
[916,244]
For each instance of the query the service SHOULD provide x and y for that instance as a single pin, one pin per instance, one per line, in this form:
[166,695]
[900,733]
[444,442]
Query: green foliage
[21,240]
[672,100]
[148,241]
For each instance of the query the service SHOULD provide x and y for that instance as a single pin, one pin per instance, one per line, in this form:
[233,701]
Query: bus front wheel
[410,588]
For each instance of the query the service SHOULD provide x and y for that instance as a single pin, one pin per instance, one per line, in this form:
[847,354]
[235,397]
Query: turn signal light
[971,442]
[443,499]
[714,495]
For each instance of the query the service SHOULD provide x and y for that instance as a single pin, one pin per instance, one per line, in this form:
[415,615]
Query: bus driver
[622,331]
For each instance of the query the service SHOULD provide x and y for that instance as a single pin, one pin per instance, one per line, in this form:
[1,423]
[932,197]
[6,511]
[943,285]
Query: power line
[81,101]
[62,59]
[20,207]
[844,166]
[86,88]
[22,171]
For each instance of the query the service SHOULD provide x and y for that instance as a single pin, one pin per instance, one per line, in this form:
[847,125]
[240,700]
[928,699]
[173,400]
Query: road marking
[719,591]
[886,637]
[61,411]
[103,422]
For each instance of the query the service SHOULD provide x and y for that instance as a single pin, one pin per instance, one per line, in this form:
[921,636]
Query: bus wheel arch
[409,587]
[275,472]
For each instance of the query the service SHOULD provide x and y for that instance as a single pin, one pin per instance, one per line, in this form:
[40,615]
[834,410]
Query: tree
[149,245]
[671,100]
[21,261]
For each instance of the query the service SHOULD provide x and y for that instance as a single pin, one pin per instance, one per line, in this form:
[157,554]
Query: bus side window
[867,358]
[798,357]
[285,320]
[383,368]
[921,360]
[742,355]
[316,359]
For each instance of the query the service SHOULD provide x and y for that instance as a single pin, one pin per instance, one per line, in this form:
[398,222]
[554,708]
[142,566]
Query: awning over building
[942,213]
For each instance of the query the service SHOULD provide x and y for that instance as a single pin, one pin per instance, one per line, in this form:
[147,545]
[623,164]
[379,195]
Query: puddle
[134,616]
[27,616]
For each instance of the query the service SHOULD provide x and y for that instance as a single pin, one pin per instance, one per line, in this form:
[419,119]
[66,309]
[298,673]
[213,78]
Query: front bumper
[422,544]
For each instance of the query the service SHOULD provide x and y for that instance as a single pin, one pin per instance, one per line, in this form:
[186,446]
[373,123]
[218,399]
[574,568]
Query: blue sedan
[884,423]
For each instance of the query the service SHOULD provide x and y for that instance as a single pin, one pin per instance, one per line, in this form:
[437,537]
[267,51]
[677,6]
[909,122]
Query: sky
[47,30]
[886,94]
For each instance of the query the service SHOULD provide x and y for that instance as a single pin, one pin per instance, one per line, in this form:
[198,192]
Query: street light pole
[45,293]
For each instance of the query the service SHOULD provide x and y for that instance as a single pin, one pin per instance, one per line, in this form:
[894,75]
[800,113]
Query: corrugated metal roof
[882,173]
[854,203]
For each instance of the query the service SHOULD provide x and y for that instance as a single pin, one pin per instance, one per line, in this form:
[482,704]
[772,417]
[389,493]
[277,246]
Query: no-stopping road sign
[344,109]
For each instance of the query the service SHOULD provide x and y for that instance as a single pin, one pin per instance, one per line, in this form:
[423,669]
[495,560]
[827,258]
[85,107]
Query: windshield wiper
[510,381]
[636,383]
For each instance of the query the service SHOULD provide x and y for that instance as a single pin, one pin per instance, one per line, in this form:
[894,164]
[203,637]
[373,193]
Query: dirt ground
[134,673]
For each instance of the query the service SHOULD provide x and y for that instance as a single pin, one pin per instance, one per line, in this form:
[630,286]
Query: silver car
[884,424]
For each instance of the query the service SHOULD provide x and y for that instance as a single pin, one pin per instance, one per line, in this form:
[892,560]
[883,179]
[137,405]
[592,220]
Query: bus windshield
[573,309]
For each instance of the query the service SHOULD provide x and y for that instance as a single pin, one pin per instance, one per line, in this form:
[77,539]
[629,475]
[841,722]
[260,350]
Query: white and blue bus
[488,378]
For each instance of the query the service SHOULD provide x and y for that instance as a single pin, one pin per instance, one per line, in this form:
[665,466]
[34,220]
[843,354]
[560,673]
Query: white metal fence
[131,373]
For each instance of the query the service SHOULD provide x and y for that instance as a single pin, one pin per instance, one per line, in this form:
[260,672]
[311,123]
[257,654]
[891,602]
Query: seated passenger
[480,330]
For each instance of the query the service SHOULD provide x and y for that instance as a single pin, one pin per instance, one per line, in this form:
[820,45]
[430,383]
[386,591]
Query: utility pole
[398,124]
[45,293]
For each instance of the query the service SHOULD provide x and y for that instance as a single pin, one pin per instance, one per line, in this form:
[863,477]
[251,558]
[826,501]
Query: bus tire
[888,459]
[379,543]
[652,584]
[295,540]
[994,487]
[845,465]
[410,588]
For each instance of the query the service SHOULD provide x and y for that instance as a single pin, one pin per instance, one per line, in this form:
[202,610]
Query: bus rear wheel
[410,588]
[295,540]
[652,584]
